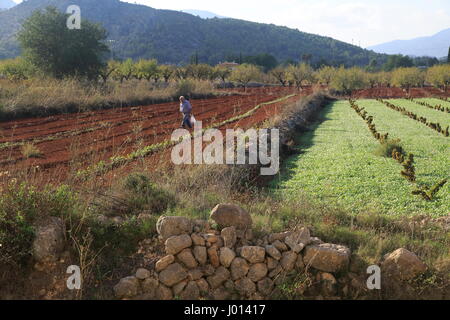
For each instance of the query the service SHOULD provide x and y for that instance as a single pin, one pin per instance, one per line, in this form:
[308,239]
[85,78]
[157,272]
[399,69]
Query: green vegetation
[351,175]
[56,51]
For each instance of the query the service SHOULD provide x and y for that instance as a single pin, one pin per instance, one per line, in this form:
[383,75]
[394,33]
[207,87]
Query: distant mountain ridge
[6,4]
[170,36]
[434,46]
[203,14]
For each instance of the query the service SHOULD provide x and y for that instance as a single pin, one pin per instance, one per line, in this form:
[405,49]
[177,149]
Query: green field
[337,163]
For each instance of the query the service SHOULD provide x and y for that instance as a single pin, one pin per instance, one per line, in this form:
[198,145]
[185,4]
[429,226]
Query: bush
[20,207]
[144,195]
[385,149]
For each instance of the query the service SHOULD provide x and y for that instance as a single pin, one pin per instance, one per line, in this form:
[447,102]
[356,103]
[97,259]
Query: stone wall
[228,262]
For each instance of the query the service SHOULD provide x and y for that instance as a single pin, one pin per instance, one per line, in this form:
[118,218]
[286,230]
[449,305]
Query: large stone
[127,288]
[245,287]
[220,276]
[173,226]
[164,262]
[178,288]
[230,215]
[49,240]
[278,236]
[197,240]
[404,264]
[297,240]
[257,272]
[327,257]
[187,258]
[221,293]
[239,268]
[273,252]
[163,293]
[226,256]
[149,286]
[229,236]
[281,246]
[191,292]
[195,274]
[253,254]
[176,244]
[142,274]
[288,260]
[213,256]
[200,254]
[265,286]
[203,286]
[172,275]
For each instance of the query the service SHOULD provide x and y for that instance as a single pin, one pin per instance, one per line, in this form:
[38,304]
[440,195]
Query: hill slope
[434,46]
[173,37]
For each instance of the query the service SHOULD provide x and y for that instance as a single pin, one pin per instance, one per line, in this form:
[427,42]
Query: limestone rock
[297,240]
[220,276]
[288,260]
[229,236]
[187,258]
[257,272]
[49,240]
[200,254]
[191,292]
[273,252]
[163,293]
[404,264]
[245,287]
[176,244]
[142,274]
[172,275]
[230,215]
[239,268]
[164,262]
[253,254]
[197,240]
[265,286]
[173,226]
[127,288]
[327,257]
[226,256]
[213,256]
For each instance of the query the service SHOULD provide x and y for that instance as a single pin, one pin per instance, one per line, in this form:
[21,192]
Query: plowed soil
[78,140]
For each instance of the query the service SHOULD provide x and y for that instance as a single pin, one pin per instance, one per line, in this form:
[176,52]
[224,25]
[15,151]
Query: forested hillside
[173,37]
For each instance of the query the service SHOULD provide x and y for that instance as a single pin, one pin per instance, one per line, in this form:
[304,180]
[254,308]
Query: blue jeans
[187,120]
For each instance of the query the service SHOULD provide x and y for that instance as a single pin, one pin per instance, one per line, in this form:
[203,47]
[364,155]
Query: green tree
[147,69]
[325,75]
[280,74]
[57,51]
[348,80]
[408,77]
[245,73]
[439,76]
[301,74]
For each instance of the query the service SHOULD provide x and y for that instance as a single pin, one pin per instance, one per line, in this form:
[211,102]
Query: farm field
[91,137]
[338,163]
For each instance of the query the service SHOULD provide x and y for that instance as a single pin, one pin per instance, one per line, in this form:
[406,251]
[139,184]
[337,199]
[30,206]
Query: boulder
[176,244]
[229,236]
[178,288]
[163,293]
[220,276]
[297,240]
[187,258]
[288,261]
[230,215]
[265,286]
[273,252]
[226,256]
[253,254]
[49,240]
[257,271]
[403,264]
[197,240]
[172,275]
[213,256]
[280,246]
[239,268]
[245,287]
[142,274]
[191,292]
[278,236]
[200,254]
[327,257]
[127,288]
[164,262]
[149,286]
[173,226]
[202,285]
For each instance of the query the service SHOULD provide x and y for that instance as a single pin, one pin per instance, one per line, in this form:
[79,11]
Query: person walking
[186,110]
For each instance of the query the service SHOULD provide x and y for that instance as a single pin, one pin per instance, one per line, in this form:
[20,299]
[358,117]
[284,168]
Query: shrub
[385,149]
[29,150]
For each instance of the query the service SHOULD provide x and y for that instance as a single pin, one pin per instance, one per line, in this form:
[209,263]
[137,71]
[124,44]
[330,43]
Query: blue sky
[365,22]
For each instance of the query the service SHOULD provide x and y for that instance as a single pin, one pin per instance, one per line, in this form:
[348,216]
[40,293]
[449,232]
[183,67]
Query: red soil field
[393,92]
[77,140]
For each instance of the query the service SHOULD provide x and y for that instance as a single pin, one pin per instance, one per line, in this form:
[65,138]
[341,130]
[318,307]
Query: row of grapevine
[426,104]
[398,154]
[435,126]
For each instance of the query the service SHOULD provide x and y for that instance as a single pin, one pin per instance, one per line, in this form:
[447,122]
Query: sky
[361,22]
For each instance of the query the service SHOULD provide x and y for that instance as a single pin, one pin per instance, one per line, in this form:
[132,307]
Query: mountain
[433,46]
[6,4]
[139,31]
[203,14]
